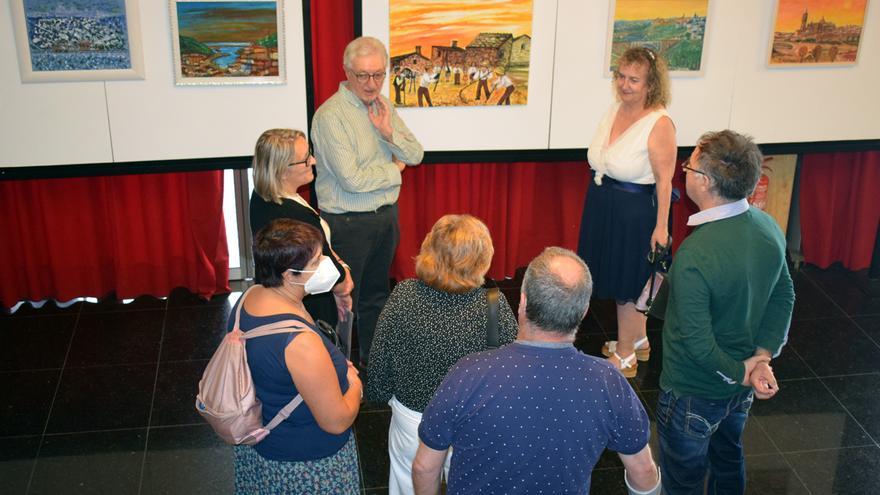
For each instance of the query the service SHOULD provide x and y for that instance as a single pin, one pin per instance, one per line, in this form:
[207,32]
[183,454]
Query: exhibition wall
[118,122]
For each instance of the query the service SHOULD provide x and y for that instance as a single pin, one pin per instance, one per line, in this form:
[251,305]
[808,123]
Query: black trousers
[367,241]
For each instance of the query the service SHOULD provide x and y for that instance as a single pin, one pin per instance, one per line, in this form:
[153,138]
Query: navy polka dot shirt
[531,419]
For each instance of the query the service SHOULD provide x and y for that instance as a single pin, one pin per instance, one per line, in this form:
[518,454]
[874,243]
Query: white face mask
[322,280]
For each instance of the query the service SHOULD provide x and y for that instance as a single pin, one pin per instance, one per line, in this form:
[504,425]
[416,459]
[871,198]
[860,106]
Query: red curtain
[840,208]
[527,206]
[332,25]
[132,235]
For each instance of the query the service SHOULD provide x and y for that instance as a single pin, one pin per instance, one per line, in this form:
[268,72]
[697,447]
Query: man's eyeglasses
[302,162]
[686,169]
[363,77]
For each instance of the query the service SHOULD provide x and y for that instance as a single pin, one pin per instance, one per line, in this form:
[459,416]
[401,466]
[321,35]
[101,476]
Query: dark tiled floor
[98,398]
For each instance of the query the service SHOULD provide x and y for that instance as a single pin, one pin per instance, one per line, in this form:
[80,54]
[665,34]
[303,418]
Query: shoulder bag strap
[492,339]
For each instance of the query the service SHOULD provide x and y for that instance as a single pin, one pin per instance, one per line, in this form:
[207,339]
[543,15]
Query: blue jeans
[699,434]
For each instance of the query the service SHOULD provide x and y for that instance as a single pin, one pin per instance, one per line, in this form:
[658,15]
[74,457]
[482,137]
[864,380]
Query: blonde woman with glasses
[282,164]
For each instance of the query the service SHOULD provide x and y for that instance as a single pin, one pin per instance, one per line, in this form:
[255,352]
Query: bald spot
[567,270]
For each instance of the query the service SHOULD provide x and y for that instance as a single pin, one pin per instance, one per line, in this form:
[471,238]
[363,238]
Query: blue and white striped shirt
[355,167]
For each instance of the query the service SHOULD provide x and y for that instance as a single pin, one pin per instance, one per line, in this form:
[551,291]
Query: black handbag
[655,295]
[657,309]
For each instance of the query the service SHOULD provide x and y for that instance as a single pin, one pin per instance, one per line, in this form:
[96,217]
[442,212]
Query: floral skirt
[337,474]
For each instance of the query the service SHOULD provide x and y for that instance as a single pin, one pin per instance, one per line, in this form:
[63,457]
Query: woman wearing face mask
[282,164]
[313,450]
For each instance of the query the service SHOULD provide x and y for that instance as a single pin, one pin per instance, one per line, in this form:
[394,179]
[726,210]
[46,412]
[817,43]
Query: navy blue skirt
[615,239]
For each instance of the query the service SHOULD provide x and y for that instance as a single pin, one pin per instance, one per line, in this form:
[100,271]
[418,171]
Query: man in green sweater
[729,311]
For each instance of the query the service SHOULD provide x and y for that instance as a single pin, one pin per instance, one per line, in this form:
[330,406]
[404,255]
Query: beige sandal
[627,366]
[642,351]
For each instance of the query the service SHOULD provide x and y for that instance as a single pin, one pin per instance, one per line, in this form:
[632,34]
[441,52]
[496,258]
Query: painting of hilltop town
[228,42]
[817,32]
[675,29]
[77,40]
[459,54]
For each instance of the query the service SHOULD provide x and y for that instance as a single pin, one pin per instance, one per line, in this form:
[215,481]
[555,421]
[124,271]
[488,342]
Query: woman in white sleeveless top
[627,208]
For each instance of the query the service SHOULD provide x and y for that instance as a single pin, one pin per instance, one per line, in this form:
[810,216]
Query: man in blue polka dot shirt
[534,416]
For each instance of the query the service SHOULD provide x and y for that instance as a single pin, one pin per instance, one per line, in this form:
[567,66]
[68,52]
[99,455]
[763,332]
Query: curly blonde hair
[658,74]
[456,254]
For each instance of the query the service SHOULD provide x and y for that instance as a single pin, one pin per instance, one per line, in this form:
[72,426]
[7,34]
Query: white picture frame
[55,44]
[244,54]
[692,26]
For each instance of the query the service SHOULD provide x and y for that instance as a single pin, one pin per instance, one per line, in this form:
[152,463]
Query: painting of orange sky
[840,12]
[635,10]
[438,22]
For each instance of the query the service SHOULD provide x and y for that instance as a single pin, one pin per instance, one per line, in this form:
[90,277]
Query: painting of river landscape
[228,42]
[676,29]
[77,39]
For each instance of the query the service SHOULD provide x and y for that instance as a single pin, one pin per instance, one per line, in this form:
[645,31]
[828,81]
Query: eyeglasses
[302,162]
[363,77]
[686,169]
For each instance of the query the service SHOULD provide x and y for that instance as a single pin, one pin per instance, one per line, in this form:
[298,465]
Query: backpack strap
[283,326]
[285,412]
[244,295]
[492,296]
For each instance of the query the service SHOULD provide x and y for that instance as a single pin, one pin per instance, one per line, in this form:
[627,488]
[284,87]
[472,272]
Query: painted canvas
[676,29]
[817,32]
[459,53]
[73,40]
[228,42]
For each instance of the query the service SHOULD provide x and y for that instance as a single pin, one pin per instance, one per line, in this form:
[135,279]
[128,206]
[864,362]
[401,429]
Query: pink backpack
[226,398]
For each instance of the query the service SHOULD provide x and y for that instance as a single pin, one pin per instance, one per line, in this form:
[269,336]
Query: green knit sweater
[730,293]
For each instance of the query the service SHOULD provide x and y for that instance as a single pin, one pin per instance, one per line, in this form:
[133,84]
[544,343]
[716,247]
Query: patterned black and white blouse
[421,333]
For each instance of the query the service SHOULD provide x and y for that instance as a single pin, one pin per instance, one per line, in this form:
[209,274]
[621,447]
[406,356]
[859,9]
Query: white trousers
[403,442]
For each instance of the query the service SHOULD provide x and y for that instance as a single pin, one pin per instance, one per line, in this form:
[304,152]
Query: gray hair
[552,303]
[361,47]
[733,162]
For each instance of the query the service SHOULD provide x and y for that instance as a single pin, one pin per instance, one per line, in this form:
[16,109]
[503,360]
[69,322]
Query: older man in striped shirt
[362,146]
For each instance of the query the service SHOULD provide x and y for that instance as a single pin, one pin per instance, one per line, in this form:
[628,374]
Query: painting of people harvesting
[464,53]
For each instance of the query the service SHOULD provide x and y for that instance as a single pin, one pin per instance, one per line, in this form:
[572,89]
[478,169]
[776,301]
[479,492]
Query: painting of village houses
[675,29]
[825,32]
[459,53]
[69,40]
[227,42]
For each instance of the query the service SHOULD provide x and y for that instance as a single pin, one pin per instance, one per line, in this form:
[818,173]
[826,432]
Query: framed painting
[228,42]
[64,40]
[817,32]
[459,54]
[676,30]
